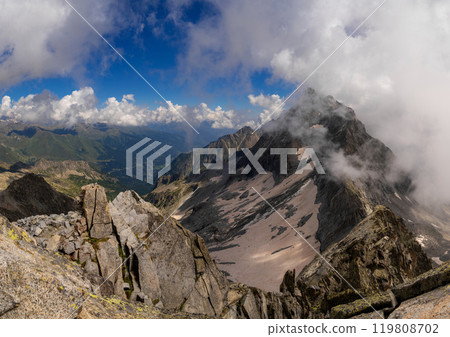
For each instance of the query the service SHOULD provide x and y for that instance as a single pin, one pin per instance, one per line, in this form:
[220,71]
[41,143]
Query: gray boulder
[110,263]
[174,266]
[96,210]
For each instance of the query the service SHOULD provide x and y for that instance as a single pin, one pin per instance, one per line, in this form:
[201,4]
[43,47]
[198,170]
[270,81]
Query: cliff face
[36,283]
[378,254]
[126,259]
[166,264]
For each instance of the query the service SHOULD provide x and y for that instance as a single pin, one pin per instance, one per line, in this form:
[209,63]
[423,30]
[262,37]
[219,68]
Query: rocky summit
[126,259]
[254,245]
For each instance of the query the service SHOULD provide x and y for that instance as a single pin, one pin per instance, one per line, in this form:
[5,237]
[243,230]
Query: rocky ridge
[37,283]
[168,269]
[173,189]
[130,260]
[360,175]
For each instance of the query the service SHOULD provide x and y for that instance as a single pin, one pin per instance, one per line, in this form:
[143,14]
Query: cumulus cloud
[81,107]
[272,106]
[47,38]
[395,71]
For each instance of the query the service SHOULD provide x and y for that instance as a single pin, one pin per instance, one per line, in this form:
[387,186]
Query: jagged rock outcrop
[32,195]
[167,264]
[171,269]
[378,254]
[85,236]
[244,301]
[99,226]
[36,283]
[425,296]
[96,210]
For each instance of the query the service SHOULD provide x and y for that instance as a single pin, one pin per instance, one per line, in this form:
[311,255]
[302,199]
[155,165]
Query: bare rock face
[96,211]
[249,302]
[7,302]
[431,305]
[99,225]
[168,265]
[111,263]
[84,236]
[377,255]
[35,283]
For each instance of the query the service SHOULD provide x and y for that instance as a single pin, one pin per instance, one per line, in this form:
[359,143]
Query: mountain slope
[65,176]
[41,281]
[173,188]
[31,195]
[254,245]
[102,146]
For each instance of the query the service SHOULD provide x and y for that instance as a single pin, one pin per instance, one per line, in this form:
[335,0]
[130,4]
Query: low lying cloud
[272,106]
[81,107]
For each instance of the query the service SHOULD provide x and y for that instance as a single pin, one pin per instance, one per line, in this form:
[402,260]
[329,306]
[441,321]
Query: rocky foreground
[125,259]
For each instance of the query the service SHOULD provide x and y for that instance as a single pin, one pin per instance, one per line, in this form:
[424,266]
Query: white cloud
[272,106]
[395,72]
[46,38]
[81,107]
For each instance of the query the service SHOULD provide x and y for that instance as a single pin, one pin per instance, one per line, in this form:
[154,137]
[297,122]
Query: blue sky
[244,56]
[154,44]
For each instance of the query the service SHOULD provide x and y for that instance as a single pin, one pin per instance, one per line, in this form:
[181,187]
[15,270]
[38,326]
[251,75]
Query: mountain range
[101,146]
[254,244]
[350,243]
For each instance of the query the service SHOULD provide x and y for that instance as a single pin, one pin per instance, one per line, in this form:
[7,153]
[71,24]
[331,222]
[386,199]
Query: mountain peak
[32,195]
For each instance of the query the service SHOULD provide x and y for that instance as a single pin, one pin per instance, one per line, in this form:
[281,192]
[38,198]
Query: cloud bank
[271,104]
[395,71]
[46,38]
[81,107]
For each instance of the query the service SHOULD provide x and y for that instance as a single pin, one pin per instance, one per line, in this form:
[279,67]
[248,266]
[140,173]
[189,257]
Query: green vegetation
[112,186]
[101,146]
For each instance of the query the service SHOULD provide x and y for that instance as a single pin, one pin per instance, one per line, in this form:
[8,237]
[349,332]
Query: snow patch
[421,240]
[437,260]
